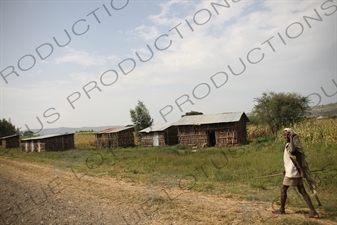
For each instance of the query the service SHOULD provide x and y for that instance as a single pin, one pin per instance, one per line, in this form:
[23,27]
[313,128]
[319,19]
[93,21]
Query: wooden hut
[12,141]
[159,135]
[221,129]
[116,137]
[51,142]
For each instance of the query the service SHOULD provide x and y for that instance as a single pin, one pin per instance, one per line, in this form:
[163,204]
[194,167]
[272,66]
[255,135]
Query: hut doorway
[155,139]
[211,138]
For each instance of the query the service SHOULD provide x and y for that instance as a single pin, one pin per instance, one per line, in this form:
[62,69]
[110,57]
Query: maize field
[311,131]
[85,139]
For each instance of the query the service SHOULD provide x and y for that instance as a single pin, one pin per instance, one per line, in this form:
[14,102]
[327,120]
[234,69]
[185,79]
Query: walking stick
[272,175]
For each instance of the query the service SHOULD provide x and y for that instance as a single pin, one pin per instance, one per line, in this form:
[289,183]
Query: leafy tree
[192,113]
[253,119]
[279,110]
[140,117]
[29,133]
[6,128]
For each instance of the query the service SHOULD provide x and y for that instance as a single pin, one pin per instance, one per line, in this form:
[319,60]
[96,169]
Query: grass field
[230,171]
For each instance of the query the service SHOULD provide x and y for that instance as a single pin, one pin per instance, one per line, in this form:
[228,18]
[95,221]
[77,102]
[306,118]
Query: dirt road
[39,194]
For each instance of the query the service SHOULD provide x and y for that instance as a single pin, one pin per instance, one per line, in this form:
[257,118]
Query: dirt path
[39,194]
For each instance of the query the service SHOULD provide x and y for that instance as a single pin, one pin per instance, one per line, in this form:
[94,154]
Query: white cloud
[82,58]
[83,77]
[146,32]
[170,14]
[200,54]
[112,58]
[204,51]
[303,65]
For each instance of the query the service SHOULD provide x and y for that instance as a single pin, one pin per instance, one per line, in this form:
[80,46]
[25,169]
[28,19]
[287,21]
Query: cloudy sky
[87,63]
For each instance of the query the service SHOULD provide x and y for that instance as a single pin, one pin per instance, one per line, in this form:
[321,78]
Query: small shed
[116,137]
[220,129]
[51,142]
[12,141]
[159,135]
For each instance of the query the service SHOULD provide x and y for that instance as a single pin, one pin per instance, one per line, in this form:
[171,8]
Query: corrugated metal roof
[10,136]
[114,130]
[45,136]
[209,119]
[156,128]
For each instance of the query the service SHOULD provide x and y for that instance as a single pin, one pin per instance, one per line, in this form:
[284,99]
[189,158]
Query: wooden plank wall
[147,139]
[123,138]
[58,143]
[192,135]
[12,142]
[167,137]
[226,134]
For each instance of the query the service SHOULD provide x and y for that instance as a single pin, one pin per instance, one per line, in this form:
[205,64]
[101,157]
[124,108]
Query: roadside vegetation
[229,171]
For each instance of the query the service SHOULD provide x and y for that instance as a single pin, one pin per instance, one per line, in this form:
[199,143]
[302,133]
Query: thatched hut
[51,142]
[116,137]
[12,141]
[221,129]
[159,135]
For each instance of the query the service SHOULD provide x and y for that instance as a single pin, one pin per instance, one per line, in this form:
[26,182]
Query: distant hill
[324,110]
[62,130]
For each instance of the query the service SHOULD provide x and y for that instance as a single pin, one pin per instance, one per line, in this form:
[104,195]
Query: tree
[279,110]
[140,117]
[6,128]
[192,113]
[29,133]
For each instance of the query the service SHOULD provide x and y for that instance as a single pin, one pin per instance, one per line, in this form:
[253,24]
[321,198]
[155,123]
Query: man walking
[295,169]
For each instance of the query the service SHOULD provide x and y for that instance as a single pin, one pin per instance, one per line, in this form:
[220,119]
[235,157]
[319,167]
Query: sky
[87,63]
